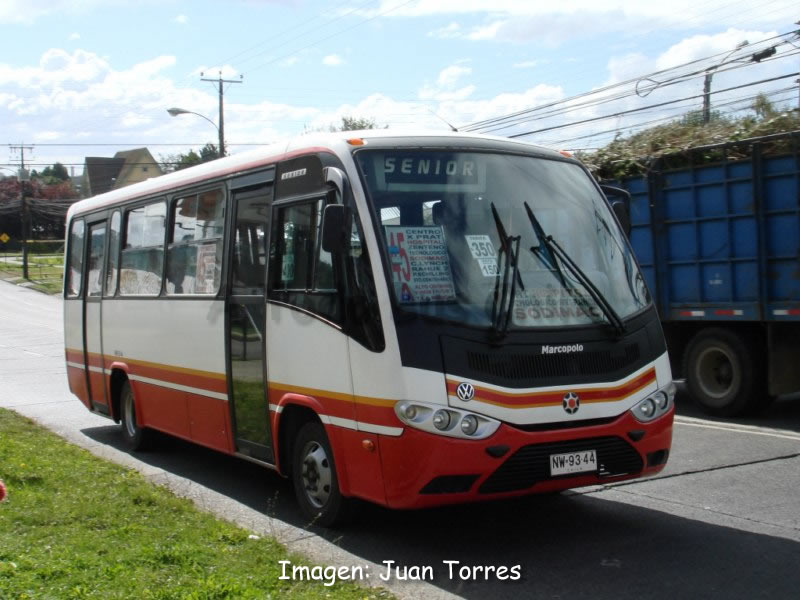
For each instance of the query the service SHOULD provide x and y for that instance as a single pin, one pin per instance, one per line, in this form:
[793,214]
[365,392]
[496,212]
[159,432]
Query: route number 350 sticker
[483,252]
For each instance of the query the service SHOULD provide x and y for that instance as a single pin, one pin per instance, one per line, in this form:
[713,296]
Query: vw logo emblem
[571,403]
[465,392]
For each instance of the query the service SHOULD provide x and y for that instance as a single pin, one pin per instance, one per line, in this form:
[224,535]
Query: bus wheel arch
[116,380]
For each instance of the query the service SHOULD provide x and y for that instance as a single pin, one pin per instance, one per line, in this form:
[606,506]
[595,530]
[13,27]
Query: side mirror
[335,232]
[621,206]
[334,228]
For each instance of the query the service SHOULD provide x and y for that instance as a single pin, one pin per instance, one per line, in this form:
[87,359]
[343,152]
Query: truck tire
[724,375]
[314,475]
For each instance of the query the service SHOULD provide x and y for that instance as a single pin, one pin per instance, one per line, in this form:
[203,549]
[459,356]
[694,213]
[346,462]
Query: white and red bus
[412,320]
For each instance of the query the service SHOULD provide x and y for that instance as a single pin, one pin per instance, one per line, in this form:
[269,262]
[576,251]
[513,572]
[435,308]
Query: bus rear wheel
[723,374]
[314,476]
[134,436]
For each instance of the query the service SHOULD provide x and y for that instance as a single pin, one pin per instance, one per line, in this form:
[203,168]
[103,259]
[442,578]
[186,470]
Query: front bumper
[422,469]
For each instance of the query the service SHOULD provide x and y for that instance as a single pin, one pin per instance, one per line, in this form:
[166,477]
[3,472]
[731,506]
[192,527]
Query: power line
[636,110]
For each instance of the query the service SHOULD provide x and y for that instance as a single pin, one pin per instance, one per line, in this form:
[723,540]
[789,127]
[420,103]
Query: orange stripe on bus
[554,398]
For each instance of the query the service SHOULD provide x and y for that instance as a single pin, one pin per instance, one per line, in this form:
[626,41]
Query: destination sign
[428,171]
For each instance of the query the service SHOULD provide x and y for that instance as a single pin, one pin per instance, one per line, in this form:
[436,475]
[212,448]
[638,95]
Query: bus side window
[194,257]
[301,272]
[113,254]
[364,315]
[142,261]
[76,241]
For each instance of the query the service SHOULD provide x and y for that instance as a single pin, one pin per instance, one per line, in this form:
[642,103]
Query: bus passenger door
[93,346]
[246,322]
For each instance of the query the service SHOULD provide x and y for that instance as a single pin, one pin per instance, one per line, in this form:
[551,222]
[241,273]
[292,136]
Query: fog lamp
[469,424]
[441,420]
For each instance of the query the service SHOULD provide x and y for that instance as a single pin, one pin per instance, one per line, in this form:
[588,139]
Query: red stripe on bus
[540,399]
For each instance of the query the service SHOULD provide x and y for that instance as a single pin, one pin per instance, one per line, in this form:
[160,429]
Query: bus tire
[135,437]
[314,476]
[723,373]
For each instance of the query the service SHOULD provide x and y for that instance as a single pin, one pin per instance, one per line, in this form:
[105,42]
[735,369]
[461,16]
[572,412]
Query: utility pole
[219,81]
[22,178]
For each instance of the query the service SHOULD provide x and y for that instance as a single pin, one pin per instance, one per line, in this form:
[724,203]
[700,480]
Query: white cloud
[529,64]
[181,19]
[74,36]
[453,30]
[333,60]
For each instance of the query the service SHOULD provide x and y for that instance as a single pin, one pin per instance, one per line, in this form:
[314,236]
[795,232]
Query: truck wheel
[314,478]
[134,436]
[723,374]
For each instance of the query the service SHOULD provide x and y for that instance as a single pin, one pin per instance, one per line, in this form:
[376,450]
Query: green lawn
[76,526]
[45,272]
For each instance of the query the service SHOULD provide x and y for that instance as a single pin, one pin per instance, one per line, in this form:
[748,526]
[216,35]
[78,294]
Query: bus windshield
[484,238]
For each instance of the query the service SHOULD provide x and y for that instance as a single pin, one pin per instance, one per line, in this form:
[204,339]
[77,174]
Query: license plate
[573,462]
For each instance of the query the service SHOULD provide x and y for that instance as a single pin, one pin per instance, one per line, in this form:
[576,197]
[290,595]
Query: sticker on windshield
[483,252]
[420,264]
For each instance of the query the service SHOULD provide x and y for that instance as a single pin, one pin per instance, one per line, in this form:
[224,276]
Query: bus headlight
[469,425]
[655,405]
[441,420]
[450,422]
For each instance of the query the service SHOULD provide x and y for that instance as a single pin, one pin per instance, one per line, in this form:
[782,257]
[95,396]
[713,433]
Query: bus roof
[335,142]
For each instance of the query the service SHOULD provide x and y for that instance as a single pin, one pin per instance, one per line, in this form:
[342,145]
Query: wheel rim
[717,374]
[317,474]
[130,415]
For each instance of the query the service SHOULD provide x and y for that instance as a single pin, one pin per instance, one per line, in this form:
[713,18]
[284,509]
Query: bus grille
[508,365]
[531,464]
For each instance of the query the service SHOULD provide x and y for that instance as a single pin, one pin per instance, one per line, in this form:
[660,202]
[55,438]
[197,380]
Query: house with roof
[103,174]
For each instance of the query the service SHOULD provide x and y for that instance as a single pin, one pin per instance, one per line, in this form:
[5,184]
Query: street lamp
[707,81]
[174,112]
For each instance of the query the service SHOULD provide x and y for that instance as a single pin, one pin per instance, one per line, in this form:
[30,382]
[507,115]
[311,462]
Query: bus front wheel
[314,478]
[135,436]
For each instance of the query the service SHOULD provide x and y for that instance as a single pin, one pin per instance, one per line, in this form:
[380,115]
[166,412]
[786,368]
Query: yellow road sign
[4,237]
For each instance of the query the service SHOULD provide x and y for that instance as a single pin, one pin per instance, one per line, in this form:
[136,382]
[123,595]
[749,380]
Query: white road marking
[737,428]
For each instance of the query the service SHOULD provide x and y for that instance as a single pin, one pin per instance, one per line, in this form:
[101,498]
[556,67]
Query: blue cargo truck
[716,231]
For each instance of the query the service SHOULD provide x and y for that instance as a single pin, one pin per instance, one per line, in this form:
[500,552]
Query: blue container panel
[677,178]
[745,281]
[713,239]
[678,204]
[684,283]
[740,195]
[740,170]
[642,241]
[783,236]
[681,242]
[780,192]
[710,174]
[640,209]
[784,280]
[716,282]
[711,201]
[780,164]
[745,237]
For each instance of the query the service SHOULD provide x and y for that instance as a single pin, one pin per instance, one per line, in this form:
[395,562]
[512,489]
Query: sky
[92,77]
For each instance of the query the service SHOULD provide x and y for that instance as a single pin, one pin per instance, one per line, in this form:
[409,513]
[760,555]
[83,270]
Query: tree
[47,206]
[356,123]
[176,162]
[52,175]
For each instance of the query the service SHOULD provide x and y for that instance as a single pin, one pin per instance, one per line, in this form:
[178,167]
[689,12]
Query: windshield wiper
[555,250]
[503,303]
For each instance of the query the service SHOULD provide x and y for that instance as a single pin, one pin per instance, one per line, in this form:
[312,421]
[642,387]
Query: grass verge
[45,272]
[76,526]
